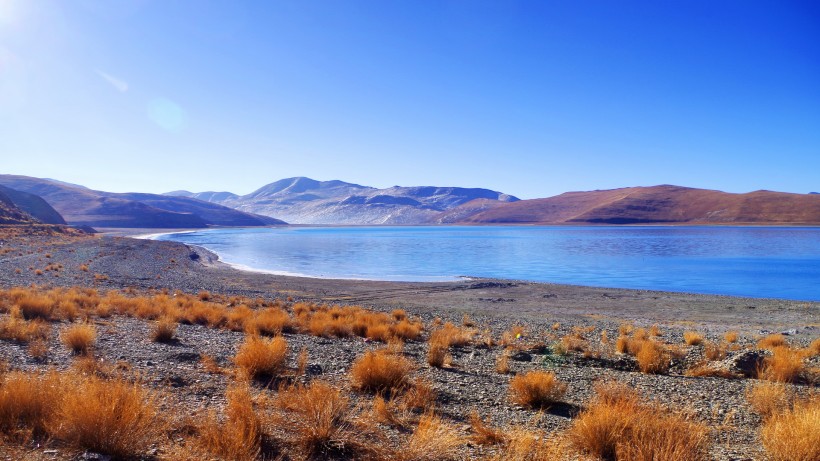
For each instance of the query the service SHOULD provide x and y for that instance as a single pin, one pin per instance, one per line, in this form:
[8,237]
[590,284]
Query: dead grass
[35,306]
[112,417]
[528,445]
[772,341]
[653,358]
[692,338]
[432,440]
[238,435]
[769,398]
[536,389]
[483,434]
[79,337]
[27,402]
[502,363]
[731,337]
[616,425]
[714,351]
[15,328]
[381,371]
[784,365]
[261,358]
[793,434]
[164,330]
[419,397]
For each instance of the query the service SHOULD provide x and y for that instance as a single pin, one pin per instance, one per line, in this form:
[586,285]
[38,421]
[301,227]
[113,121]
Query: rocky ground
[470,383]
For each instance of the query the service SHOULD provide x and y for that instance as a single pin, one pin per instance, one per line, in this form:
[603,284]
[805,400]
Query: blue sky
[532,98]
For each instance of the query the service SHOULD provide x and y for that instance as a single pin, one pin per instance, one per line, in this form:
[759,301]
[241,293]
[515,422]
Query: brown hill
[11,214]
[656,204]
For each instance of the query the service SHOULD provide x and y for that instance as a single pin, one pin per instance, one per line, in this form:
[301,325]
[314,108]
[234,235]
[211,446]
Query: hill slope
[307,201]
[656,204]
[81,206]
[11,214]
[34,205]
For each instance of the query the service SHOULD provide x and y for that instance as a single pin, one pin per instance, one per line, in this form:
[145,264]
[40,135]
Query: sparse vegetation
[692,338]
[79,338]
[380,371]
[793,434]
[261,358]
[536,389]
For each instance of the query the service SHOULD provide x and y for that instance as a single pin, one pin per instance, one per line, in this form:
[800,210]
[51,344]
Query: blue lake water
[771,262]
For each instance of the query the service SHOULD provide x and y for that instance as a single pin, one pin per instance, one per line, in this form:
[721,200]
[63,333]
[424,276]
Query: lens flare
[167,114]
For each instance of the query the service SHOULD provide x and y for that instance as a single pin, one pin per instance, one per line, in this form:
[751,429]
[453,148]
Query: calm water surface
[746,261]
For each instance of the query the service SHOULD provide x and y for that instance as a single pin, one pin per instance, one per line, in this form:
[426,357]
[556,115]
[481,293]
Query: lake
[771,262]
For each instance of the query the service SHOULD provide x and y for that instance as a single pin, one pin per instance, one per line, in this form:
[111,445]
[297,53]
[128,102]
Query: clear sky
[532,98]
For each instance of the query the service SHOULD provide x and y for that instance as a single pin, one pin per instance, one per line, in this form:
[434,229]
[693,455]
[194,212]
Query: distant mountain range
[82,206]
[648,205]
[307,201]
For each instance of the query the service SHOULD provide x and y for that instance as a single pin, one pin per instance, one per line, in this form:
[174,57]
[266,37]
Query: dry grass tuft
[79,337]
[16,329]
[238,436]
[769,398]
[731,337]
[793,434]
[653,358]
[714,351]
[692,338]
[784,365]
[502,363]
[380,371]
[525,445]
[261,358]
[433,440]
[617,426]
[483,434]
[814,348]
[113,417]
[27,402]
[164,330]
[420,397]
[772,341]
[536,389]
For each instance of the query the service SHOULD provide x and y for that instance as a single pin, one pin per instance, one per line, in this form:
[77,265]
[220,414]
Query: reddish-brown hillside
[657,204]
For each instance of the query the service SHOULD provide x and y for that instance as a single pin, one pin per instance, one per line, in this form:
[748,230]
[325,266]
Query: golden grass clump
[380,371]
[616,425]
[319,424]
[27,402]
[714,351]
[79,337]
[17,329]
[772,341]
[483,434]
[784,365]
[438,349]
[526,445]
[36,306]
[731,337]
[112,417]
[164,330]
[769,398]
[272,321]
[502,363]
[262,358]
[238,436]
[653,358]
[432,440]
[793,434]
[419,397]
[814,348]
[536,389]
[692,338]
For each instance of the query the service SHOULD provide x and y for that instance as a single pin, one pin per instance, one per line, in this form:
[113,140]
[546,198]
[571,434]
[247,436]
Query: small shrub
[79,337]
[164,330]
[769,398]
[793,434]
[502,363]
[421,396]
[238,436]
[484,434]
[438,350]
[536,389]
[27,402]
[380,371]
[272,321]
[112,417]
[784,365]
[262,358]
[731,337]
[36,306]
[692,338]
[772,341]
[653,358]
[432,440]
